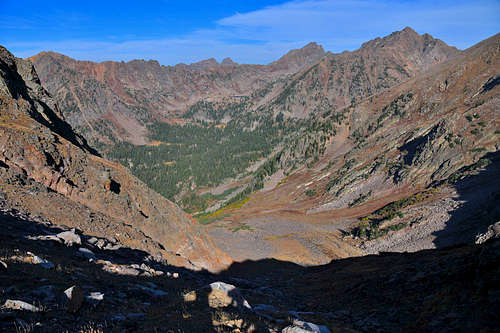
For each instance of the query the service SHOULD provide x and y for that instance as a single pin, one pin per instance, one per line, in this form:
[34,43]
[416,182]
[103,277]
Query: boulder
[3,266]
[120,269]
[74,297]
[92,240]
[100,243]
[95,297]
[20,305]
[70,237]
[111,247]
[305,327]
[86,253]
[53,238]
[39,261]
[224,294]
[492,232]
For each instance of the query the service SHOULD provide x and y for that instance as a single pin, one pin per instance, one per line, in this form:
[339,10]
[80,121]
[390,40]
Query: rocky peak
[204,64]
[306,55]
[228,61]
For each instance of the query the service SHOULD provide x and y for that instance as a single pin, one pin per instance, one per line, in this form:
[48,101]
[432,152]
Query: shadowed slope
[44,166]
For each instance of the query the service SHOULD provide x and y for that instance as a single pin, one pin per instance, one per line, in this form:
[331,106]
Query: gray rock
[20,305]
[492,232]
[112,247]
[3,266]
[42,262]
[305,327]
[122,270]
[100,243]
[53,238]
[74,296]
[70,237]
[227,294]
[95,297]
[84,252]
[92,240]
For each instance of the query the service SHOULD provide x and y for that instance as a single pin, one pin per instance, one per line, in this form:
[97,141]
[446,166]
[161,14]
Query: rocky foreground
[55,279]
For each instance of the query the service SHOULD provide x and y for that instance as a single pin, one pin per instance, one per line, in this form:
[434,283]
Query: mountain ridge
[38,163]
[122,97]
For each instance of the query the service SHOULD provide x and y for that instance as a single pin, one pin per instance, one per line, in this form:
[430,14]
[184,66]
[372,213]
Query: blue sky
[247,31]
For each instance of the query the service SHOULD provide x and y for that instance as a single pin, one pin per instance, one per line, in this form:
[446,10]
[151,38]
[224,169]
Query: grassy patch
[311,192]
[221,213]
[242,227]
[482,163]
[277,237]
[283,181]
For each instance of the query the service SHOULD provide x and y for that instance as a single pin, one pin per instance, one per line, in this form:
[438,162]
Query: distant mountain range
[114,100]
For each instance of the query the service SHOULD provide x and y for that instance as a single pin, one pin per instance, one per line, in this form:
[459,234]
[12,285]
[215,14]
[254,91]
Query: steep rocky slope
[338,80]
[407,169]
[61,280]
[47,170]
[116,288]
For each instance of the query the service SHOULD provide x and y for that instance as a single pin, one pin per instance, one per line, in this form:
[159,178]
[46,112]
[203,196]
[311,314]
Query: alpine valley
[322,192]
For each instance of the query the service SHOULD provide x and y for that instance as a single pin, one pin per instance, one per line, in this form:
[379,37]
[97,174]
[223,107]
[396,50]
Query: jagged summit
[204,64]
[228,61]
[309,54]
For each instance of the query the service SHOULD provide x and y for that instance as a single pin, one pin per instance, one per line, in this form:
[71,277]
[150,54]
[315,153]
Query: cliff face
[48,170]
